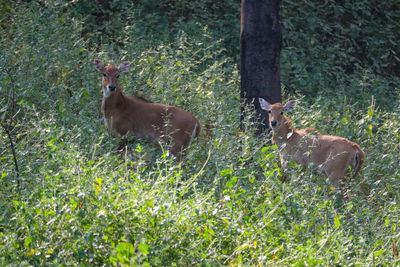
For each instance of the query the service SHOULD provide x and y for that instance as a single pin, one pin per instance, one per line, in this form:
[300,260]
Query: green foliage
[79,202]
[341,48]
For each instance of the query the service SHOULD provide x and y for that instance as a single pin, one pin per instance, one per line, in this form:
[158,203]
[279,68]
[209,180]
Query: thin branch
[12,94]
[9,126]
[13,150]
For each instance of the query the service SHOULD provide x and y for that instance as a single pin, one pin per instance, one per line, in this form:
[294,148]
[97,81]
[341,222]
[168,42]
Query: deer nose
[274,123]
[111,87]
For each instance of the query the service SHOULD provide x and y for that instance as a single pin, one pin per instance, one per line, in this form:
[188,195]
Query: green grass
[79,202]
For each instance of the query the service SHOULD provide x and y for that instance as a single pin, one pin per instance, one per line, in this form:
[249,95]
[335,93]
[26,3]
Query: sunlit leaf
[28,241]
[337,221]
[144,248]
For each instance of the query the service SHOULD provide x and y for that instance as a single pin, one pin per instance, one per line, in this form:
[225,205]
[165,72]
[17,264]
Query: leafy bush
[79,202]
[333,47]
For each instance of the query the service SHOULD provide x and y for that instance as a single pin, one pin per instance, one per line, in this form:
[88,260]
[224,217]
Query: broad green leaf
[28,241]
[144,248]
[337,221]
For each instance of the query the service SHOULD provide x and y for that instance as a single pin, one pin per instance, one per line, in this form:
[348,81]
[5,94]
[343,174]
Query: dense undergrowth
[78,202]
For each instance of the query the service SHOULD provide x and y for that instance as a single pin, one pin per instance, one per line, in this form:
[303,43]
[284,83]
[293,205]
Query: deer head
[276,112]
[110,76]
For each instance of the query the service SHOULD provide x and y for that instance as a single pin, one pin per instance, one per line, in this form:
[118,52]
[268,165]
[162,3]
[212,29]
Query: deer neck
[110,103]
[283,134]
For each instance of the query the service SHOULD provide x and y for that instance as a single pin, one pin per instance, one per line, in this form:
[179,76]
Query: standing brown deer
[332,154]
[141,118]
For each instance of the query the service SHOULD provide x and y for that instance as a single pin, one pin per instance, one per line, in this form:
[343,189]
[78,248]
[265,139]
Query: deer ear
[290,105]
[124,67]
[264,104]
[99,65]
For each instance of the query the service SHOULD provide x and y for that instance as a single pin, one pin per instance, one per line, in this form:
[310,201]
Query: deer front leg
[338,181]
[283,167]
[122,144]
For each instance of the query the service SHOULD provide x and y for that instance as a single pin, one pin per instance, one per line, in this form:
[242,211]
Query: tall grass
[79,202]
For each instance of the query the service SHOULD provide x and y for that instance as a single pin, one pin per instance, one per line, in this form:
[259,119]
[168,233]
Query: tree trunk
[260,46]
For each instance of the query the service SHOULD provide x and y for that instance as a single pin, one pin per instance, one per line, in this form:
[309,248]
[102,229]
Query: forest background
[74,201]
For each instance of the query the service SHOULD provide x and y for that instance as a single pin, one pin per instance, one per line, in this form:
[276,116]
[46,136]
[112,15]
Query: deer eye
[269,111]
[281,112]
[104,75]
[117,76]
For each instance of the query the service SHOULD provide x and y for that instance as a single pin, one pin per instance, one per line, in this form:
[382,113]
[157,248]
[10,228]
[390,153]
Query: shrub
[79,202]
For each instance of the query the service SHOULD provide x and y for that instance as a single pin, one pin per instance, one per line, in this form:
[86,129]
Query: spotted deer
[136,116]
[332,154]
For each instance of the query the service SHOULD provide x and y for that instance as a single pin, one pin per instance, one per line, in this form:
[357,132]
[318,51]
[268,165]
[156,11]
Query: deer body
[141,118]
[333,155]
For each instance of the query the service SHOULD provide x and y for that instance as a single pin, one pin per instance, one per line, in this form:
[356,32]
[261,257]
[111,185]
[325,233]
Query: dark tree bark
[260,46]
